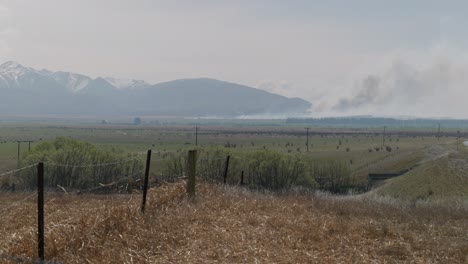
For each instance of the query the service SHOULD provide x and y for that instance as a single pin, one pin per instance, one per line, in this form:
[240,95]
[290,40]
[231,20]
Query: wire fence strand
[17,170]
[91,165]
[124,178]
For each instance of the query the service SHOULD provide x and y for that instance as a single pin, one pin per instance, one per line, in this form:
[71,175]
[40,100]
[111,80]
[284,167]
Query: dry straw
[231,225]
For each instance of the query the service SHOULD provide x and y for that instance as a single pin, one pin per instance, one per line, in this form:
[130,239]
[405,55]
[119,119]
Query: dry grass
[231,225]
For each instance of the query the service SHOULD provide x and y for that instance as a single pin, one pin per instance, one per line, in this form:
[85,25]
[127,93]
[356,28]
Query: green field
[360,148]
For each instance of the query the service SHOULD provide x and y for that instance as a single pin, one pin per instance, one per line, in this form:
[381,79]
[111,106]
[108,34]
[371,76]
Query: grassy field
[232,225]
[354,146]
[419,217]
[443,177]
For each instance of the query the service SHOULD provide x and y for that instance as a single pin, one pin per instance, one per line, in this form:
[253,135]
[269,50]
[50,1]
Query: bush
[331,175]
[263,169]
[276,171]
[66,163]
[211,163]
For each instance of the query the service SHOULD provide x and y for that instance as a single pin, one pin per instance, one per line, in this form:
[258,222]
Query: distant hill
[25,90]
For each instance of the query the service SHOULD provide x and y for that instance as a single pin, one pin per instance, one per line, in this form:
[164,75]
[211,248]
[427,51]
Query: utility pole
[196,135]
[19,147]
[438,133]
[307,140]
[383,137]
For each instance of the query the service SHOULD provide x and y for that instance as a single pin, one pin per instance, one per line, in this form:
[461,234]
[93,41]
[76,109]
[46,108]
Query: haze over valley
[346,59]
[221,131]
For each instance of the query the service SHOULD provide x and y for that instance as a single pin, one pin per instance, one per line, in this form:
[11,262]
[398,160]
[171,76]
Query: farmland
[417,217]
[356,146]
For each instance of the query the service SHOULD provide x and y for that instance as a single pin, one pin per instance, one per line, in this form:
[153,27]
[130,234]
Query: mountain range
[27,91]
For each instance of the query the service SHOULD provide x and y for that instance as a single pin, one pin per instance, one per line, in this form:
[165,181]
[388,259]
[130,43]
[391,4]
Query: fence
[112,187]
[207,167]
[20,180]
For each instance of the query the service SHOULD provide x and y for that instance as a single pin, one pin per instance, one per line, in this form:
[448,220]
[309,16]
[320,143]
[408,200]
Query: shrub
[211,164]
[331,175]
[67,163]
[276,171]
[263,169]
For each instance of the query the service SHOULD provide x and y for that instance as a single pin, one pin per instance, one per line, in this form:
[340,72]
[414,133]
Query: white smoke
[432,84]
[282,87]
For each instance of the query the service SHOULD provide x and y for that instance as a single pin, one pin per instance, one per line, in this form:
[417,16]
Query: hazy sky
[346,57]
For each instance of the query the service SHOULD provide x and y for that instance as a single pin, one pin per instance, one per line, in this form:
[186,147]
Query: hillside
[208,97]
[443,178]
[230,225]
[27,91]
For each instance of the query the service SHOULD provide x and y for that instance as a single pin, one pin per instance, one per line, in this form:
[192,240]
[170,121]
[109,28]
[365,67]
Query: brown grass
[231,225]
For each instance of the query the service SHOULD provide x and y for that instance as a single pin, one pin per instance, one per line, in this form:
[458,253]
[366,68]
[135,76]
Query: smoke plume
[436,87]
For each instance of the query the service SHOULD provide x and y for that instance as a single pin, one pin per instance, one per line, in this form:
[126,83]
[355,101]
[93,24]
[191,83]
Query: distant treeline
[370,122]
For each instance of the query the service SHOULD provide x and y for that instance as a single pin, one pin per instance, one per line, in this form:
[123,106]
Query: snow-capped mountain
[12,70]
[12,75]
[126,83]
[26,91]
[73,82]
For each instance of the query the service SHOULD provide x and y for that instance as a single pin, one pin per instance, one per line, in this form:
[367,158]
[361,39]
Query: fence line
[54,226]
[160,159]
[109,184]
[124,178]
[208,159]
[91,165]
[190,189]
[20,169]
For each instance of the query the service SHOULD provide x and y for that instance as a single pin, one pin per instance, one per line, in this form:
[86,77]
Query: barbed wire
[124,178]
[208,159]
[17,170]
[160,159]
[77,192]
[92,165]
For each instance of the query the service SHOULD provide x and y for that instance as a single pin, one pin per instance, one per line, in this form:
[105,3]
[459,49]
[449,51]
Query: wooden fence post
[40,211]
[145,185]
[242,178]
[192,169]
[226,169]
